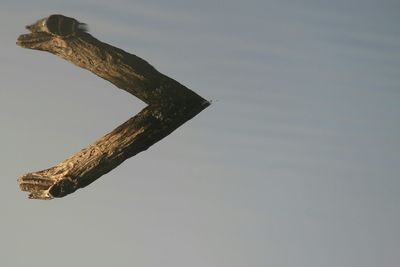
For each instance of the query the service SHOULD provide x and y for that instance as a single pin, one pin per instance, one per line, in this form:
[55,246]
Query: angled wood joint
[170,104]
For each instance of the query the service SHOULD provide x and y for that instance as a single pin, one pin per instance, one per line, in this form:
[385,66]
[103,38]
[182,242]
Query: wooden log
[170,104]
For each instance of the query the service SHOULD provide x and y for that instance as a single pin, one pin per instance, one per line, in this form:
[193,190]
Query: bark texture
[170,104]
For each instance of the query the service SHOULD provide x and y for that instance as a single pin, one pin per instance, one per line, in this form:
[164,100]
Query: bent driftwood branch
[170,104]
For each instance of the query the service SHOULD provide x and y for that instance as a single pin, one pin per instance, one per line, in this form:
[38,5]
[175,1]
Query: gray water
[296,163]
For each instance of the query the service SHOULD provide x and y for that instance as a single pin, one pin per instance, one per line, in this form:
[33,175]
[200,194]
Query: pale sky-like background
[296,163]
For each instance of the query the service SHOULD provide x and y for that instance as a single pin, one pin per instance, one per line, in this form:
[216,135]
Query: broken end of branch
[36,184]
[40,186]
[33,40]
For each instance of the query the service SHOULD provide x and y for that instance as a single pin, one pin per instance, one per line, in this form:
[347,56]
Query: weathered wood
[170,104]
